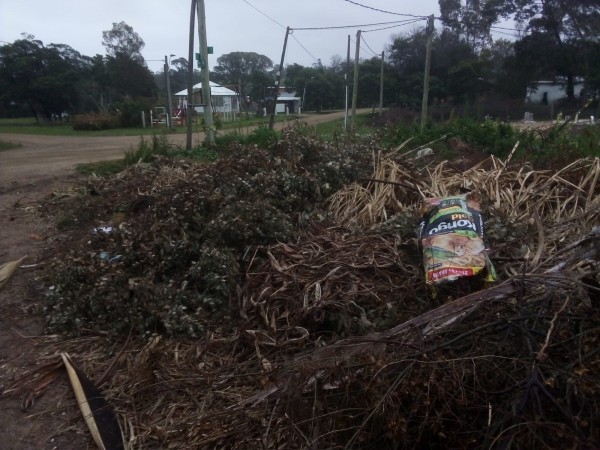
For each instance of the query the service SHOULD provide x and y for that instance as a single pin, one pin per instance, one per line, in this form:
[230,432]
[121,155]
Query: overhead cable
[394,26]
[384,11]
[264,14]
[351,26]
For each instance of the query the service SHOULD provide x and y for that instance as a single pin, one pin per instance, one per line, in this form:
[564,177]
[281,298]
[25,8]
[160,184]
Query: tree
[44,78]
[323,86]
[559,32]
[129,78]
[122,40]
[472,20]
[500,70]
[453,62]
[98,84]
[564,25]
[243,69]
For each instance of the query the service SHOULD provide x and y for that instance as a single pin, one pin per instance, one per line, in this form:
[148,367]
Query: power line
[384,11]
[349,26]
[353,41]
[303,47]
[264,14]
[362,38]
[273,20]
[408,22]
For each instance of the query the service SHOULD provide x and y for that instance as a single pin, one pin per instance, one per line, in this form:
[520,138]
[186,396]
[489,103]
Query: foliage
[181,232]
[321,88]
[122,41]
[246,70]
[455,69]
[330,336]
[217,121]
[128,78]
[99,168]
[94,121]
[148,151]
[464,136]
[54,79]
[129,112]
[44,78]
[263,137]
[558,33]
[178,75]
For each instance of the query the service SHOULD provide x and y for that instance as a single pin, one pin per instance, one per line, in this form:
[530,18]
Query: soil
[28,174]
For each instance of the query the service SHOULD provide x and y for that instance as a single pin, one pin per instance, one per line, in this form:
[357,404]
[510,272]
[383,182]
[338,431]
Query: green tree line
[557,38]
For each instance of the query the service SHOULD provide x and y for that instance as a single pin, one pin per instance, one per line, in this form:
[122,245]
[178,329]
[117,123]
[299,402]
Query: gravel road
[56,156]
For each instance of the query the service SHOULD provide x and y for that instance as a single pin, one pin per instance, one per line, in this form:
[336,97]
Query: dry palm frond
[8,269]
[98,415]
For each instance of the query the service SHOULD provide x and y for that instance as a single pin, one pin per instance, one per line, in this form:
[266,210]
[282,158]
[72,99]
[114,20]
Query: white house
[547,92]
[224,100]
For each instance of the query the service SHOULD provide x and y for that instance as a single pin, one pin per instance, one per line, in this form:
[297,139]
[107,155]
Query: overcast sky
[232,25]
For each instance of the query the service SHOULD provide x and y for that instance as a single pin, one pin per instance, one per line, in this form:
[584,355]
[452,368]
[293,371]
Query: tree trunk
[570,87]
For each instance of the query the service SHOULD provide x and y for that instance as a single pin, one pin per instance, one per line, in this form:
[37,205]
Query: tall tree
[122,40]
[129,78]
[566,26]
[242,69]
[43,77]
[453,62]
[472,20]
[558,31]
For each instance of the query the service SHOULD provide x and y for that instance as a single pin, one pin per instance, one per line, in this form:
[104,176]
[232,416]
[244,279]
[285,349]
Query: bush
[94,121]
[129,112]
[147,151]
[263,137]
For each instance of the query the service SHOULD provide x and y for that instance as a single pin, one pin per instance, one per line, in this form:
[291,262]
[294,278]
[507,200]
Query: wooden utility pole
[346,79]
[278,81]
[168,83]
[208,111]
[381,85]
[427,68]
[190,79]
[355,86]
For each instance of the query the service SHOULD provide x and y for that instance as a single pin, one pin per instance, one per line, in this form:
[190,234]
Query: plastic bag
[451,234]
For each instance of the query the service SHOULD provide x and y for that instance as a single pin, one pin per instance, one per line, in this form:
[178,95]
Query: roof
[215,90]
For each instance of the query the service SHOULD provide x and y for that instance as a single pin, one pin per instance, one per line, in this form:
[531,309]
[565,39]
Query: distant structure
[548,91]
[288,102]
[224,100]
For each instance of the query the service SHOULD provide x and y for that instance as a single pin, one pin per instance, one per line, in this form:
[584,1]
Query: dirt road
[55,156]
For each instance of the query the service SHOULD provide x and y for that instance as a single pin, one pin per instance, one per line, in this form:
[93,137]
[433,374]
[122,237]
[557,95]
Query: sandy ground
[44,164]
[56,156]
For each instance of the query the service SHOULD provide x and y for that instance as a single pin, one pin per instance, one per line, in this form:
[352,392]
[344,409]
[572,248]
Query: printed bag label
[451,234]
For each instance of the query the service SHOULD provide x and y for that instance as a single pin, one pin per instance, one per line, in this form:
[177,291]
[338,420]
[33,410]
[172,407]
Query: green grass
[8,145]
[101,168]
[29,126]
[328,130]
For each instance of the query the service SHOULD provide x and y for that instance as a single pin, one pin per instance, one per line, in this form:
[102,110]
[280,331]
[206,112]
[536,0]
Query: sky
[232,25]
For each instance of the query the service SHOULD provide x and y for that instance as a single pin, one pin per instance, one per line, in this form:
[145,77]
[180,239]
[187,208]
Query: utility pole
[208,112]
[278,81]
[168,83]
[427,68]
[381,86]
[355,86]
[346,73]
[190,79]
